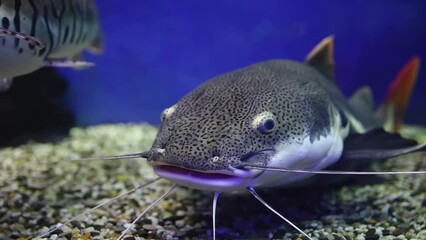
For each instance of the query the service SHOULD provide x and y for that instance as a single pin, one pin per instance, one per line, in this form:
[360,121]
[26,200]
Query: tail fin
[395,103]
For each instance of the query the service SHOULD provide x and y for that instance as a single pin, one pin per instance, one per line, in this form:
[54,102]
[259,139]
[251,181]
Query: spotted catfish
[232,130]
[37,33]
[275,123]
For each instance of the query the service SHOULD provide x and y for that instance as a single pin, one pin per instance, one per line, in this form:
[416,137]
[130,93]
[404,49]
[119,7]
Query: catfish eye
[267,126]
[265,122]
[167,112]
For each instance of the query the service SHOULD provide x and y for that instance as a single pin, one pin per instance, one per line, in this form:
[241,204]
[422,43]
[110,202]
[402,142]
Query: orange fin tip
[321,57]
[400,90]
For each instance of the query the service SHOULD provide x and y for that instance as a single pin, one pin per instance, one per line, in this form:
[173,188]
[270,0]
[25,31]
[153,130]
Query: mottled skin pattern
[216,118]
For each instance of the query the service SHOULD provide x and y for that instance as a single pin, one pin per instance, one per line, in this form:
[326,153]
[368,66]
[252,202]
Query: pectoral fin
[378,144]
[68,63]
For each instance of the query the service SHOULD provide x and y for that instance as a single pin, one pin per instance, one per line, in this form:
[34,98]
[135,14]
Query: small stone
[165,234]
[99,223]
[90,203]
[15,215]
[119,229]
[180,233]
[397,232]
[180,213]
[401,237]
[95,233]
[129,238]
[180,223]
[67,235]
[14,235]
[65,229]
[77,224]
[149,227]
[53,237]
[360,237]
[92,231]
[371,234]
[149,220]
[17,227]
[173,218]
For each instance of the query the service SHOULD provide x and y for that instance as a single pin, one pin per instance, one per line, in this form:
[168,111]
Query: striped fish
[37,33]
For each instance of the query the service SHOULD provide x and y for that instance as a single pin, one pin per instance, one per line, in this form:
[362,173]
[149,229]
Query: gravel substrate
[40,187]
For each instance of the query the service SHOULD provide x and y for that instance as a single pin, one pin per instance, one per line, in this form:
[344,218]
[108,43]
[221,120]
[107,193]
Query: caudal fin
[395,103]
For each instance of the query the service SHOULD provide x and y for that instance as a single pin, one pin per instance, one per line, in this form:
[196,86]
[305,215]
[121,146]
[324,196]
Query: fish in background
[38,33]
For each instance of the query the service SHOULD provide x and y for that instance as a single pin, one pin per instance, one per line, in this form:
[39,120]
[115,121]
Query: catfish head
[273,113]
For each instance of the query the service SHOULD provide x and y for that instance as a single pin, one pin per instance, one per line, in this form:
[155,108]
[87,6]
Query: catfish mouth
[215,181]
[195,174]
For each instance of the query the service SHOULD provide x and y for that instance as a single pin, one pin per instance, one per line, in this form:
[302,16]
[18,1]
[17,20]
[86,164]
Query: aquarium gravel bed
[40,187]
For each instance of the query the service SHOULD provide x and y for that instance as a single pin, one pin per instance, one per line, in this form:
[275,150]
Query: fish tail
[393,107]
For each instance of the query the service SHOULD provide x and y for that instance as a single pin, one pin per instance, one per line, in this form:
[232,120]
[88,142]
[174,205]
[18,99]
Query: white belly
[307,156]
[13,63]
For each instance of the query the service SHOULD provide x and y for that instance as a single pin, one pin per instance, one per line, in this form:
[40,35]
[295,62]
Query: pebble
[119,229]
[77,224]
[360,237]
[180,233]
[92,231]
[149,227]
[180,223]
[15,235]
[99,223]
[95,233]
[174,218]
[129,238]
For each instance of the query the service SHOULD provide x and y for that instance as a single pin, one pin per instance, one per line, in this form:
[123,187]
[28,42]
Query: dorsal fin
[321,57]
[362,99]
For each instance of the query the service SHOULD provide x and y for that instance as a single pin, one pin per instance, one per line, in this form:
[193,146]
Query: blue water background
[157,51]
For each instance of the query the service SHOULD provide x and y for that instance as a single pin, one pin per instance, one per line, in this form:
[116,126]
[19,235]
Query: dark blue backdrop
[157,51]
